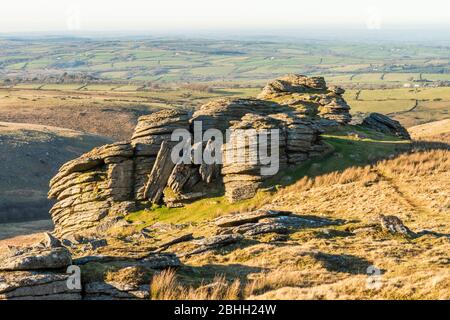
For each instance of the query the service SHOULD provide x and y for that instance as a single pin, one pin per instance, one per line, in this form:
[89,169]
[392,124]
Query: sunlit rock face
[96,190]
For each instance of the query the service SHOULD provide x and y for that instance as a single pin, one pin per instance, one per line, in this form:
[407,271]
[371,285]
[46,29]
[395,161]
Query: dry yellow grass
[165,286]
[334,262]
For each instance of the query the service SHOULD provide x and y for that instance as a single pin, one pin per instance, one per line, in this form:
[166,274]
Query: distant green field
[407,93]
[198,60]
[100,87]
[388,106]
[62,86]
[27,86]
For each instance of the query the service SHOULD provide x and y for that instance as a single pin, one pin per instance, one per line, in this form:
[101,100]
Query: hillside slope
[330,243]
[335,260]
[436,130]
[29,156]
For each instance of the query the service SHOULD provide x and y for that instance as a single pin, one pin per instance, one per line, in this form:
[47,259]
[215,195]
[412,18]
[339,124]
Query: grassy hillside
[30,155]
[353,145]
[328,262]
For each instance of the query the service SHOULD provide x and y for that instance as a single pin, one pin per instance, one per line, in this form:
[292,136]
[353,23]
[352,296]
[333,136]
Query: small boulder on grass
[394,225]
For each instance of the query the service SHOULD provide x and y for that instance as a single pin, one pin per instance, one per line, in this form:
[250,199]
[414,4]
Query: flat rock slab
[160,261]
[297,221]
[47,254]
[248,217]
[114,291]
[151,261]
[253,229]
[36,285]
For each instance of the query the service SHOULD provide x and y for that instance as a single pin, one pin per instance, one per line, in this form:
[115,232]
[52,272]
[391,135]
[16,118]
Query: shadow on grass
[353,146]
[343,263]
[195,275]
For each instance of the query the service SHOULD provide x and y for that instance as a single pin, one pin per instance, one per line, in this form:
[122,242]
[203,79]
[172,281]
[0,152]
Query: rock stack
[95,186]
[94,191]
[243,173]
[293,83]
[309,97]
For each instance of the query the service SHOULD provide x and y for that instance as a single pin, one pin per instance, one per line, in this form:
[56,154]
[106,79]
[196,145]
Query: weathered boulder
[36,271]
[293,83]
[48,254]
[87,187]
[394,225]
[34,285]
[384,124]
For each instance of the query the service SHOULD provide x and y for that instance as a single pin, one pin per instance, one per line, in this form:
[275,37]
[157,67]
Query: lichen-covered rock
[309,97]
[384,124]
[394,225]
[48,254]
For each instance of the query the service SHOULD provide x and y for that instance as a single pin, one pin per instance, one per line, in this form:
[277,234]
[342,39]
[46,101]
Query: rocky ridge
[95,190]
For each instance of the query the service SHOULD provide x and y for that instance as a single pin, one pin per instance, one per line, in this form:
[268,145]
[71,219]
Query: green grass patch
[349,151]
[200,210]
[384,107]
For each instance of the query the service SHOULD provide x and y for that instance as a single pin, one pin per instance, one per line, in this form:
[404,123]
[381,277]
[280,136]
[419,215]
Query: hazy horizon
[428,34]
[232,16]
